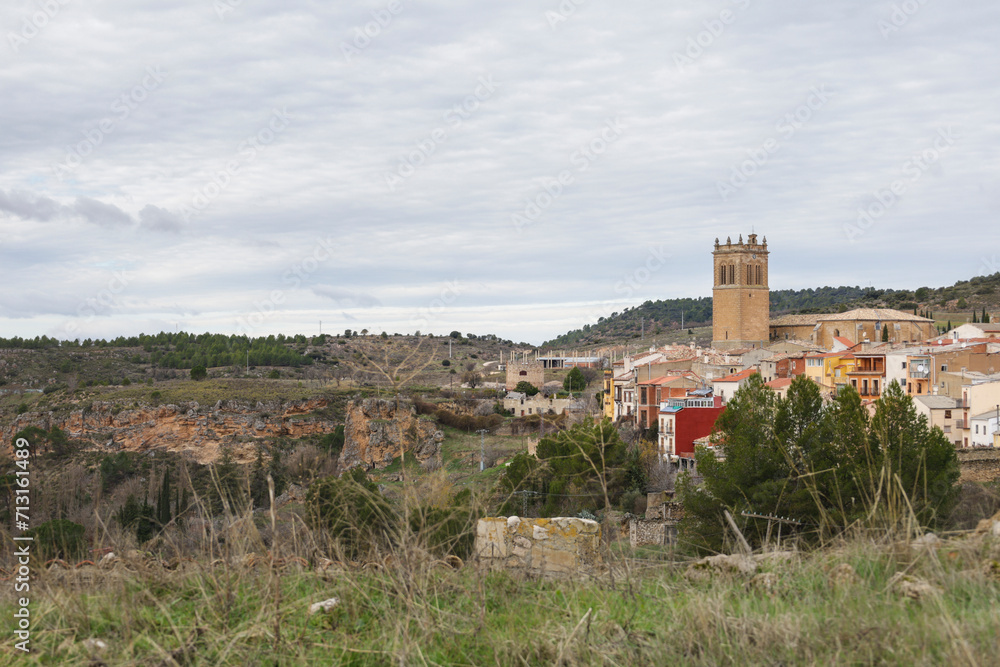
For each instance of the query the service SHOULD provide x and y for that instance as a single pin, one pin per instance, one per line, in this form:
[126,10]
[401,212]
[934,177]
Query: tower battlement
[740,295]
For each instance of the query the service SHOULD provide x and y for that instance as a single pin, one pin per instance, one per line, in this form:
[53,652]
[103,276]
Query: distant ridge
[664,315]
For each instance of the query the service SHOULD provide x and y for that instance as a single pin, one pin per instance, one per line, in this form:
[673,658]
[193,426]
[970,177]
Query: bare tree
[394,361]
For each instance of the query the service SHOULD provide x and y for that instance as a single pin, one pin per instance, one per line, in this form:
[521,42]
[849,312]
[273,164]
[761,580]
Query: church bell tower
[741,310]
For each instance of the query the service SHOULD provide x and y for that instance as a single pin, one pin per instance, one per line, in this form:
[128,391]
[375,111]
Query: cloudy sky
[518,168]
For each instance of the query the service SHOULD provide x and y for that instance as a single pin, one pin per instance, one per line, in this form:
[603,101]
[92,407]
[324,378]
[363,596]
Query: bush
[450,529]
[574,380]
[352,511]
[526,388]
[199,373]
[59,538]
[274,375]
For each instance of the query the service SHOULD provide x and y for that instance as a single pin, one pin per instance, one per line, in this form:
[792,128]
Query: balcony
[961,424]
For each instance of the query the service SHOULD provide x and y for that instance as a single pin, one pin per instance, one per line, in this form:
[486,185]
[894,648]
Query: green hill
[956,302]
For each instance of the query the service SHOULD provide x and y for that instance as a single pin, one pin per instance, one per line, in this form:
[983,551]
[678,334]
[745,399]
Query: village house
[682,421]
[943,412]
[984,428]
[868,376]
[725,387]
[653,392]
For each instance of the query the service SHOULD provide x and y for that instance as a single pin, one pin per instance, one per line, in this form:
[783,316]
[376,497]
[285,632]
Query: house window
[947,414]
[523,373]
[904,365]
[944,368]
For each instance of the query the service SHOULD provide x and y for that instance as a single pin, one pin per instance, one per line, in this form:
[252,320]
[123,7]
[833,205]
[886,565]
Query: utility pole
[482,448]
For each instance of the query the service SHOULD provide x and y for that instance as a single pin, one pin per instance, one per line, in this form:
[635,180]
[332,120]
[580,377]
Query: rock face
[558,546]
[376,430]
[199,431]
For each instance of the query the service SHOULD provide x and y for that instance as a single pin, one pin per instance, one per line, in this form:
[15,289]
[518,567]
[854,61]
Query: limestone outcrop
[189,428]
[377,430]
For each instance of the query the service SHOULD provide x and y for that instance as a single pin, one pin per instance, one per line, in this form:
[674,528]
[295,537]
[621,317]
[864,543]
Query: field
[644,609]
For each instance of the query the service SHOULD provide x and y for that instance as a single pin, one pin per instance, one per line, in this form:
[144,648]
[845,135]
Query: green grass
[433,615]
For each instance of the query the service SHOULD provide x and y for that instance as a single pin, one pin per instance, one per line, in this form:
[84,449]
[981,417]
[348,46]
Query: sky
[519,168]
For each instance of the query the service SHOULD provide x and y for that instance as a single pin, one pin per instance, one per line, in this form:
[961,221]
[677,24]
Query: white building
[984,429]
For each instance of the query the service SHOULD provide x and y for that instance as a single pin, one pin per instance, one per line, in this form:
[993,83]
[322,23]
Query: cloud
[29,206]
[345,297]
[101,214]
[157,219]
[411,103]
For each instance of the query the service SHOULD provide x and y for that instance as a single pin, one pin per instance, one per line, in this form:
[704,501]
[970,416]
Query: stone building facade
[529,371]
[740,306]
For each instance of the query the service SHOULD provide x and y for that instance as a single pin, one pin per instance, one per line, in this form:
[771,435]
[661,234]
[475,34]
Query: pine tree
[973,317]
[985,319]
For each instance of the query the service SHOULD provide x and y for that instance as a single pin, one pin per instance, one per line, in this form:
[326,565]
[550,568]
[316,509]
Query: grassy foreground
[417,611]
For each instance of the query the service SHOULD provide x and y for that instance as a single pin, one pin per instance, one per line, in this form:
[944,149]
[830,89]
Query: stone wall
[651,531]
[558,546]
[527,371]
[982,465]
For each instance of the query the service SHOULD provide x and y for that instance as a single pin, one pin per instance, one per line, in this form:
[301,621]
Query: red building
[682,421]
[655,391]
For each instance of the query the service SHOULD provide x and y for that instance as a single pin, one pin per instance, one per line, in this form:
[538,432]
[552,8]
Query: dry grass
[241,596]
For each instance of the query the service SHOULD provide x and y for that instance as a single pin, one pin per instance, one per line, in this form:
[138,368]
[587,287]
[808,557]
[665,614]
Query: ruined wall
[377,430]
[651,531]
[981,465]
[558,546]
[188,428]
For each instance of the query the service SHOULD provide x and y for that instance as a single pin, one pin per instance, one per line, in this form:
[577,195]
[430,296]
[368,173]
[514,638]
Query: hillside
[662,319]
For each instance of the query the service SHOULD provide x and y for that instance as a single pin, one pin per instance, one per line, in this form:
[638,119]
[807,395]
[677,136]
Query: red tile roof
[736,377]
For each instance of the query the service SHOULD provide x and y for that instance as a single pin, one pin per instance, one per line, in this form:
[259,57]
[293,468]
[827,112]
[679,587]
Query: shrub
[525,387]
[274,374]
[450,529]
[59,538]
[574,380]
[199,373]
[351,510]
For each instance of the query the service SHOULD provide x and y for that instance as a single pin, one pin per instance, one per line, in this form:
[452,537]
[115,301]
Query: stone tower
[740,307]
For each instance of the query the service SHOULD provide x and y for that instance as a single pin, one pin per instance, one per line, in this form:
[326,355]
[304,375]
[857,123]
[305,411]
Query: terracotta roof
[794,321]
[779,383]
[736,377]
[874,314]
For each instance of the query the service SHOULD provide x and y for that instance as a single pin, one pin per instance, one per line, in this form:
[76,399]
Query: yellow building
[829,370]
[608,397]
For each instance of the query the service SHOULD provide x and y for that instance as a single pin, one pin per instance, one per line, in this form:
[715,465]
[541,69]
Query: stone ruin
[557,546]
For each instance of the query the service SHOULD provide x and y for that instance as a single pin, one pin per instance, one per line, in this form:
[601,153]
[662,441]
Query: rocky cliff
[376,430]
[199,431]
